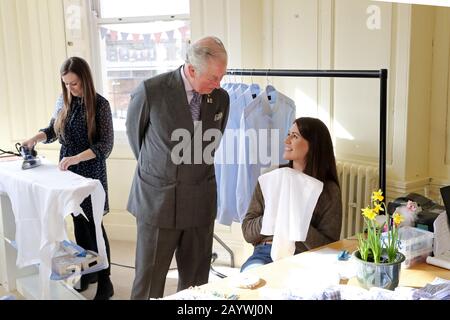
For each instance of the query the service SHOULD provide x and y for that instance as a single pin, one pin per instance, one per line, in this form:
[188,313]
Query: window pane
[139,8]
[134,52]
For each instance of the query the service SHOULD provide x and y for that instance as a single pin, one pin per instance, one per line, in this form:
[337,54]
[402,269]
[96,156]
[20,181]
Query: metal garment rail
[381,74]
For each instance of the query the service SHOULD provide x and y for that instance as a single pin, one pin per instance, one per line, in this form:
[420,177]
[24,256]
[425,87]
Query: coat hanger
[269,87]
[253,87]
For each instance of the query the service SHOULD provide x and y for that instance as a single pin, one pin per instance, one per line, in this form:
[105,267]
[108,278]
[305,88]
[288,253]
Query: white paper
[443,260]
[441,248]
[327,258]
[441,235]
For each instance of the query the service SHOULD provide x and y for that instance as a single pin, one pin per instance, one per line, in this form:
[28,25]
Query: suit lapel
[177,101]
[179,107]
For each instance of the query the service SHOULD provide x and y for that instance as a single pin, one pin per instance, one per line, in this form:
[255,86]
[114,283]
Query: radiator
[357,183]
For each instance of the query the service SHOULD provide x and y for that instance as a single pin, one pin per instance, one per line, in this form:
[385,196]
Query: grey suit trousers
[155,249]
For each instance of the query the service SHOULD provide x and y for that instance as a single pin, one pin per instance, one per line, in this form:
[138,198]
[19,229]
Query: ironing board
[40,199]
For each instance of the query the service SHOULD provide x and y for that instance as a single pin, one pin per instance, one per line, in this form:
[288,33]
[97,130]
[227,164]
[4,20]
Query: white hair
[201,51]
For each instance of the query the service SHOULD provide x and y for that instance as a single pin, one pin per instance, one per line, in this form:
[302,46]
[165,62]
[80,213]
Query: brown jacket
[325,226]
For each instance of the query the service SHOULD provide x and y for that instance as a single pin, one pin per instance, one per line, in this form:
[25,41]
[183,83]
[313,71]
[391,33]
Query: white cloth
[41,198]
[290,197]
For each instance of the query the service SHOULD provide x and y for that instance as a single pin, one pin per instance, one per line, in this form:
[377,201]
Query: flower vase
[382,275]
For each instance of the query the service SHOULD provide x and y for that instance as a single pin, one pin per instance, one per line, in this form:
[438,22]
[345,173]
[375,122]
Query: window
[138,39]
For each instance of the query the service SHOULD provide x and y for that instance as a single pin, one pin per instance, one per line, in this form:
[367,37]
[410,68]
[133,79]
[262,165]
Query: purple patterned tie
[194,105]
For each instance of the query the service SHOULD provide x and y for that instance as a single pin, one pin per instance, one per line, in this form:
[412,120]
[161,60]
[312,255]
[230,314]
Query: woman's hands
[66,162]
[30,143]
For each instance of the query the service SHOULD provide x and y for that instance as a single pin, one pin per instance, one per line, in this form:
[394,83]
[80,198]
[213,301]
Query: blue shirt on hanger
[264,127]
[226,163]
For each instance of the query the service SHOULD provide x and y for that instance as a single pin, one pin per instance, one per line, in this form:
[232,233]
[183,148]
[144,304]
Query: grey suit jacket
[166,194]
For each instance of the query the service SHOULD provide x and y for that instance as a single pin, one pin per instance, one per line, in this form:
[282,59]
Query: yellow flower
[377,195]
[398,218]
[369,213]
[378,208]
[374,245]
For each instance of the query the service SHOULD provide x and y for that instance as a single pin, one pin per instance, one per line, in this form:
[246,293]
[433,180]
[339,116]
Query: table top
[279,274]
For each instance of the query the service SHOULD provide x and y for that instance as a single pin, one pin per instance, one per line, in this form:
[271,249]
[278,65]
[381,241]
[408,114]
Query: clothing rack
[381,74]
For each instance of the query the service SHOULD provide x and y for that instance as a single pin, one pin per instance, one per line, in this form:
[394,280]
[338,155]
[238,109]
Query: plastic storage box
[416,244]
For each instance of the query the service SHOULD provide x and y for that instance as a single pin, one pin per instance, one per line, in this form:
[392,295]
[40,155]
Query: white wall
[439,117]
[419,100]
[32,46]
[358,47]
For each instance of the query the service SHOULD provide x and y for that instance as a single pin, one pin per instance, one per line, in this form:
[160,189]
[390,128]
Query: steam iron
[30,159]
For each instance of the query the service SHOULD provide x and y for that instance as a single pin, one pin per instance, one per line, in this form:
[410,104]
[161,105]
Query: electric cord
[5,153]
[213,259]
[122,265]
[11,153]
[130,267]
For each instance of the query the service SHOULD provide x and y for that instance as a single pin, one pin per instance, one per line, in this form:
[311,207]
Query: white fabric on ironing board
[290,197]
[41,198]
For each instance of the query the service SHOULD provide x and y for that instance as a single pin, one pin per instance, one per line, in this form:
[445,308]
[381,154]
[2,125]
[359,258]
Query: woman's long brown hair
[320,160]
[81,68]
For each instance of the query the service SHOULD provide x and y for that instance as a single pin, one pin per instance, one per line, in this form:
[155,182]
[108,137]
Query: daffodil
[378,208]
[377,195]
[373,245]
[398,218]
[369,213]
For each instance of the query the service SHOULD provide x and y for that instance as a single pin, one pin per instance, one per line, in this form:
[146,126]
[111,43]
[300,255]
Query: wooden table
[276,275]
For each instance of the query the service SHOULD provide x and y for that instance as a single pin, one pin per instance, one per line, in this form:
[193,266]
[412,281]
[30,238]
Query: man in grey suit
[174,123]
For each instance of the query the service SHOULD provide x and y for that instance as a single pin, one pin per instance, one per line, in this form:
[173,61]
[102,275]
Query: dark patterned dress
[75,141]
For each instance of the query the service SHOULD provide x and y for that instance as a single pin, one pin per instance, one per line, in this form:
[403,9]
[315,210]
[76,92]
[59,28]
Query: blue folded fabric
[343,255]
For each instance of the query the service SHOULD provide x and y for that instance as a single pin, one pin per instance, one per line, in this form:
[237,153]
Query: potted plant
[378,258]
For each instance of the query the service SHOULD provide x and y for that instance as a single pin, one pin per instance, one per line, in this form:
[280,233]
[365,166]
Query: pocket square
[218,116]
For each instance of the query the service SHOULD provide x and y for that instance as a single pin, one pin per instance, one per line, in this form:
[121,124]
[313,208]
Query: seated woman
[309,149]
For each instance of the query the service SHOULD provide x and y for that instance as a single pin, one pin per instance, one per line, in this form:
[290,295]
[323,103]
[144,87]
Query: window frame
[96,22]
